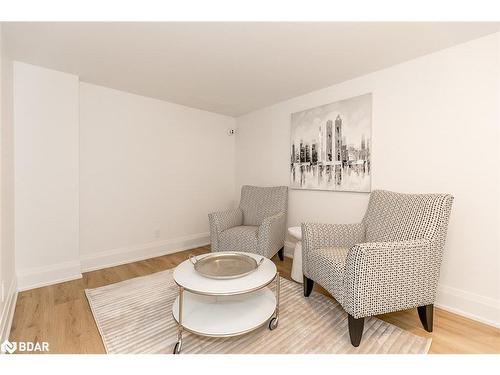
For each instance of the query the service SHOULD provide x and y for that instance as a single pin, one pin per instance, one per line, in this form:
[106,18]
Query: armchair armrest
[271,235]
[223,220]
[382,277]
[318,236]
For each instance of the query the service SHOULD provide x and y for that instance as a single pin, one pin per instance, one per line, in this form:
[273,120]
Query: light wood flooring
[60,314]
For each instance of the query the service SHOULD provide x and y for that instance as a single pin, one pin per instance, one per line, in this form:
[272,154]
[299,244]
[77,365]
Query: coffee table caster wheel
[273,323]
[177,347]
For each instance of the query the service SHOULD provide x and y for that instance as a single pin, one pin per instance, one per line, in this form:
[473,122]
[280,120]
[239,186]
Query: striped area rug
[134,316]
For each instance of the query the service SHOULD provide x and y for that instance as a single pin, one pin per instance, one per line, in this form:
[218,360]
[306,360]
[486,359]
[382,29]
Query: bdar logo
[8,347]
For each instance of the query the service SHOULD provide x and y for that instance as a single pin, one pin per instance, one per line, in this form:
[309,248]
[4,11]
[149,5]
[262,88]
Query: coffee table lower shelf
[225,315]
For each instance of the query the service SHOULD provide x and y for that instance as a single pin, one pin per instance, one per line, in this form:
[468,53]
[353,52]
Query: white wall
[46,175]
[150,172]
[434,129]
[8,285]
[103,177]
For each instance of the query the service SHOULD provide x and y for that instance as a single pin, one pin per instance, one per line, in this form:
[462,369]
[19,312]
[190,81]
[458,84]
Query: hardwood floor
[60,314]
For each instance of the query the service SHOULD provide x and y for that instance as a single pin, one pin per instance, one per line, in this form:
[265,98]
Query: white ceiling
[228,68]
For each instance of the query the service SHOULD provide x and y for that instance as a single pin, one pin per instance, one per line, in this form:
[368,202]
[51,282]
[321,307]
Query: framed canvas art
[331,146]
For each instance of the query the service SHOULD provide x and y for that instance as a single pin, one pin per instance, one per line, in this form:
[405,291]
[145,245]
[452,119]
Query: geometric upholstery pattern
[399,217]
[327,267]
[258,203]
[240,238]
[258,225]
[393,256]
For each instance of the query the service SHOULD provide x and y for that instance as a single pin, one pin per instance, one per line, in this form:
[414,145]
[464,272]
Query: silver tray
[225,265]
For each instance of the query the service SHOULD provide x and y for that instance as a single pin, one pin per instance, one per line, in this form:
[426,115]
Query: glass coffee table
[223,308]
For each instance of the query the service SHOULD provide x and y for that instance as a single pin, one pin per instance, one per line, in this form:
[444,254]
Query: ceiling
[228,68]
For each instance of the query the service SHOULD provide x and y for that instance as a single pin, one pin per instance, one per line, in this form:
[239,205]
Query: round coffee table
[223,308]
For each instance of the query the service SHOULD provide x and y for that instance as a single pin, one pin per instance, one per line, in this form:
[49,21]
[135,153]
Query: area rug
[135,316]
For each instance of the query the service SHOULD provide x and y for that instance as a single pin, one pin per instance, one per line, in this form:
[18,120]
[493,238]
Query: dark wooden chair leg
[356,329]
[426,315]
[308,286]
[281,254]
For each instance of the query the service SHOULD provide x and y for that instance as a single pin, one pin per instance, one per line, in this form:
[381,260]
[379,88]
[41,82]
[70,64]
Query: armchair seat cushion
[327,267]
[240,238]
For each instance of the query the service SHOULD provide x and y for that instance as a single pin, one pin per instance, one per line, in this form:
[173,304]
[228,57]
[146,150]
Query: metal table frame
[273,319]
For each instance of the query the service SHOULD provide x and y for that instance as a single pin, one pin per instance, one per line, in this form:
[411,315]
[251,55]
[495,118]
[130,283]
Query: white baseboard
[470,305]
[32,278]
[7,314]
[116,257]
[473,306]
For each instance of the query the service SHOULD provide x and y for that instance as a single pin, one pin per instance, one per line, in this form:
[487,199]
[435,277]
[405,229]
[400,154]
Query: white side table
[296,232]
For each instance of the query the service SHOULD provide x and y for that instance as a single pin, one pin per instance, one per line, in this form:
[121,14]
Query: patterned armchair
[256,226]
[388,262]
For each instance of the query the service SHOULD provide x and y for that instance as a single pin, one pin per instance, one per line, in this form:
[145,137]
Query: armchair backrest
[399,217]
[257,203]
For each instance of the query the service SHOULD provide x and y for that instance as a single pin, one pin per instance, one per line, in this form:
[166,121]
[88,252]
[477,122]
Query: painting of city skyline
[331,146]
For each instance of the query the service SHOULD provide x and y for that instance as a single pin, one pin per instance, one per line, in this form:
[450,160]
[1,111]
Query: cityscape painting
[330,146]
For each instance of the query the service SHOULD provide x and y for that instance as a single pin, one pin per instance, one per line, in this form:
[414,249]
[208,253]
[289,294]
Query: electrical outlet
[231,131]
